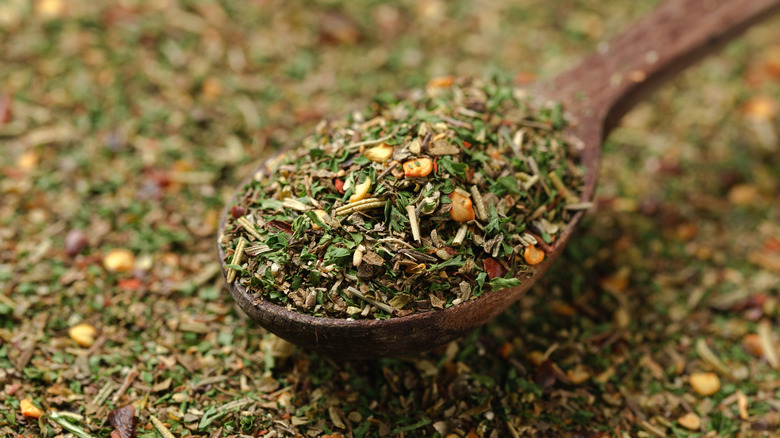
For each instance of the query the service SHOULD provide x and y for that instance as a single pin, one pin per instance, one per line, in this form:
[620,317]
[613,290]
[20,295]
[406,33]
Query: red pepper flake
[441,82]
[772,244]
[11,389]
[435,166]
[505,350]
[494,269]
[524,78]
[280,226]
[339,185]
[5,108]
[159,177]
[13,172]
[467,145]
[94,259]
[130,284]
[469,174]
[752,302]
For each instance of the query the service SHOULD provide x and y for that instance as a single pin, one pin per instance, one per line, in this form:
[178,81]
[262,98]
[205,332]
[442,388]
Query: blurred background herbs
[126,125]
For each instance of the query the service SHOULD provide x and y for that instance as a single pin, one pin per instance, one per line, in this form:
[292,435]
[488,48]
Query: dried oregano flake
[419,203]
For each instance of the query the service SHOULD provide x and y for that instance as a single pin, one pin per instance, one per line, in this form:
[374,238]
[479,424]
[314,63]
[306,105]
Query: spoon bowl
[596,94]
[374,338]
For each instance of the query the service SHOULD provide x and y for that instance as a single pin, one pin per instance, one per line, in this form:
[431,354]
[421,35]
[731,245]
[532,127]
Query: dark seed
[75,242]
[337,28]
[237,211]
[123,420]
[365,271]
[545,374]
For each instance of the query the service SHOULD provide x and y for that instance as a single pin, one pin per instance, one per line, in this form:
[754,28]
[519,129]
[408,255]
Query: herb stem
[244,222]
[709,356]
[512,145]
[160,426]
[295,205]
[366,204]
[352,146]
[72,428]
[354,292]
[410,210]
[482,213]
[579,206]
[460,235]
[237,256]
[535,168]
[456,122]
[126,384]
[538,213]
[765,339]
[389,169]
[556,181]
[103,394]
[531,181]
[394,240]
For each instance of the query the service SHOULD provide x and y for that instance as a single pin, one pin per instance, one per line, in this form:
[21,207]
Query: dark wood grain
[596,93]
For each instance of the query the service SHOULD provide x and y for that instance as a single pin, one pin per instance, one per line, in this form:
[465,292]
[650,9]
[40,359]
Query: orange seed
[533,255]
[441,82]
[29,410]
[462,210]
[418,168]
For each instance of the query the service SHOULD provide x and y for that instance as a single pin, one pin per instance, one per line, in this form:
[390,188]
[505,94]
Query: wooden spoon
[596,94]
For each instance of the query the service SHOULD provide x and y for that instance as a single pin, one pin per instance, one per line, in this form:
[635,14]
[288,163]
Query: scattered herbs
[114,114]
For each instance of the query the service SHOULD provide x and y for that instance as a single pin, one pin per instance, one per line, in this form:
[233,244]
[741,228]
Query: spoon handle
[672,37]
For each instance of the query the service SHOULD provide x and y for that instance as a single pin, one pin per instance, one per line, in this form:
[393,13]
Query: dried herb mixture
[421,202]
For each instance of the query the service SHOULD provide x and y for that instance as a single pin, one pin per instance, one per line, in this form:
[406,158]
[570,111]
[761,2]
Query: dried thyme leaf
[501,283]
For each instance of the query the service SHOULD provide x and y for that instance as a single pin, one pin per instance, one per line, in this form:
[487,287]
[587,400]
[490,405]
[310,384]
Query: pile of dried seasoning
[419,203]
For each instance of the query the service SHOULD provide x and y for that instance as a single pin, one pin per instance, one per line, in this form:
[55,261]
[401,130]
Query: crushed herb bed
[125,127]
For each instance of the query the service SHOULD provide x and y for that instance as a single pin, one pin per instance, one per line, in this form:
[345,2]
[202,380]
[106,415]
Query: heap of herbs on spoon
[418,203]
